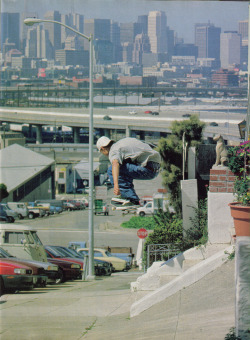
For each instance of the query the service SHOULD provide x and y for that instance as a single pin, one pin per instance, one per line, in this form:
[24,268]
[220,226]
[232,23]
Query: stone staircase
[164,279]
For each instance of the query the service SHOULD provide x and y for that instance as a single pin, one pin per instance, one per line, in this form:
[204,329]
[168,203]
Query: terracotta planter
[241,216]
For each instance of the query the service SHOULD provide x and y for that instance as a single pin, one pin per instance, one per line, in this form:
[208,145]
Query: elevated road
[226,117]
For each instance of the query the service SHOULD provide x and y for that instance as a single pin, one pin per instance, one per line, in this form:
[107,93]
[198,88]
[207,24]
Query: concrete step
[190,276]
[186,264]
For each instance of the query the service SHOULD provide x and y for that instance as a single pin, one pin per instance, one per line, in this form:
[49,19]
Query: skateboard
[121,204]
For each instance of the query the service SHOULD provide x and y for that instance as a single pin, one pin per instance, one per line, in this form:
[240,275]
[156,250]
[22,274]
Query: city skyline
[181,15]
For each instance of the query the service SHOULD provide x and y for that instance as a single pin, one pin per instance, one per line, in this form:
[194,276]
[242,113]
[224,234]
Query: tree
[3,191]
[171,150]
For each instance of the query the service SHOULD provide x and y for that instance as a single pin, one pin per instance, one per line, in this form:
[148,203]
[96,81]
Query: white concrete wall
[220,222]
[242,273]
[189,195]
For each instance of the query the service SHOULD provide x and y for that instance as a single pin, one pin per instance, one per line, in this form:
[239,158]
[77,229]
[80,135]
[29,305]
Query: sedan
[50,270]
[101,267]
[102,254]
[148,111]
[55,252]
[155,113]
[15,276]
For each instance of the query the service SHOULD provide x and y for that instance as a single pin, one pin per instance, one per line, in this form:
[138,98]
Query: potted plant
[239,164]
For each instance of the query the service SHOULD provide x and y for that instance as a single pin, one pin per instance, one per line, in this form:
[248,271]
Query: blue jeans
[128,172]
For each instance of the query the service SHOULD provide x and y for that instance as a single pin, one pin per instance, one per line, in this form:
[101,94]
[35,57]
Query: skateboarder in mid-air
[130,159]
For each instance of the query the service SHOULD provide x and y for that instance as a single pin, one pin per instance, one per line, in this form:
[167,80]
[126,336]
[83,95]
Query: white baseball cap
[102,141]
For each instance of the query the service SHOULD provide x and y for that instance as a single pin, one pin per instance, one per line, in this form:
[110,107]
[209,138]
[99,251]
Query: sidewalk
[99,310]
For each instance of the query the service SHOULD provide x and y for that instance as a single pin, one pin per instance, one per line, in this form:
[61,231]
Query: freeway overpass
[226,117]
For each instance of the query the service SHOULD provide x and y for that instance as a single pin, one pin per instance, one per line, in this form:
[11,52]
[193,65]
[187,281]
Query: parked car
[67,270]
[12,215]
[84,201]
[20,208]
[102,254]
[53,202]
[79,204]
[101,267]
[35,211]
[5,217]
[15,276]
[155,113]
[133,112]
[70,206]
[213,124]
[186,115]
[147,111]
[22,241]
[55,252]
[50,270]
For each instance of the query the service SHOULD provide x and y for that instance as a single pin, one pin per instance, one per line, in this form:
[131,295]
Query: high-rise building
[72,57]
[170,42]
[38,44]
[99,28]
[243,29]
[10,23]
[24,28]
[143,20]
[207,39]
[127,51]
[128,32]
[31,43]
[141,45]
[230,48]
[53,29]
[157,24]
[104,52]
[115,39]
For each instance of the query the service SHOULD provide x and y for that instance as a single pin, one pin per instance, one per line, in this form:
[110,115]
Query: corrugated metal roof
[19,164]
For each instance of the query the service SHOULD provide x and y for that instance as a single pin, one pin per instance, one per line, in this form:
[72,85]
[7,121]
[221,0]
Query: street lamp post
[30,22]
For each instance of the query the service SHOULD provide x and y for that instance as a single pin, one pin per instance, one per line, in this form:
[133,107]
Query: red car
[148,111]
[15,276]
[69,268]
[46,272]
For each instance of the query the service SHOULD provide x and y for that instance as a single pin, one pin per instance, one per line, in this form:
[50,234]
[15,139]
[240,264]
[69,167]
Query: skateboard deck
[122,205]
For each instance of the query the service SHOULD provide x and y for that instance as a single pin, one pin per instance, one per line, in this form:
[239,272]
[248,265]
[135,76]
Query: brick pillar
[220,222]
[221,180]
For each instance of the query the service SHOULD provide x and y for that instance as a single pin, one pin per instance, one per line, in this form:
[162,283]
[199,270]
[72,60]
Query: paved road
[72,226]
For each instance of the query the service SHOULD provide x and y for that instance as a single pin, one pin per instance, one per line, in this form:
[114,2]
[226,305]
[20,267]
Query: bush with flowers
[239,164]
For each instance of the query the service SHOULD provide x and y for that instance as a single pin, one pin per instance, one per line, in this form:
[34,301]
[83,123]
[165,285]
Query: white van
[20,208]
[22,241]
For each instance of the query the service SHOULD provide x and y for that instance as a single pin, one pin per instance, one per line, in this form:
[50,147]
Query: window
[14,237]
[36,238]
[61,174]
[98,254]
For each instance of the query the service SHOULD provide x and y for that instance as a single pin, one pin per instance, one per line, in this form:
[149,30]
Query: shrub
[137,222]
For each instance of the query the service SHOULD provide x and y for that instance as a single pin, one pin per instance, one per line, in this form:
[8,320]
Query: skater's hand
[117,190]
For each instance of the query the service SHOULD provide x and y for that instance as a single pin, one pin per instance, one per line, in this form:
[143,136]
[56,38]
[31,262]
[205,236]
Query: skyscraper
[143,20]
[10,23]
[128,32]
[157,24]
[53,29]
[38,44]
[230,47]
[207,39]
[99,28]
[141,45]
[243,29]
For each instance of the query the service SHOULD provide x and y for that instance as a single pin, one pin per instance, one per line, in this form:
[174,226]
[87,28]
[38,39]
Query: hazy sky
[181,15]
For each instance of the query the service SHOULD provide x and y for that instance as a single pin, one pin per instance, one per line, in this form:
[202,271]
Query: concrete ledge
[189,277]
